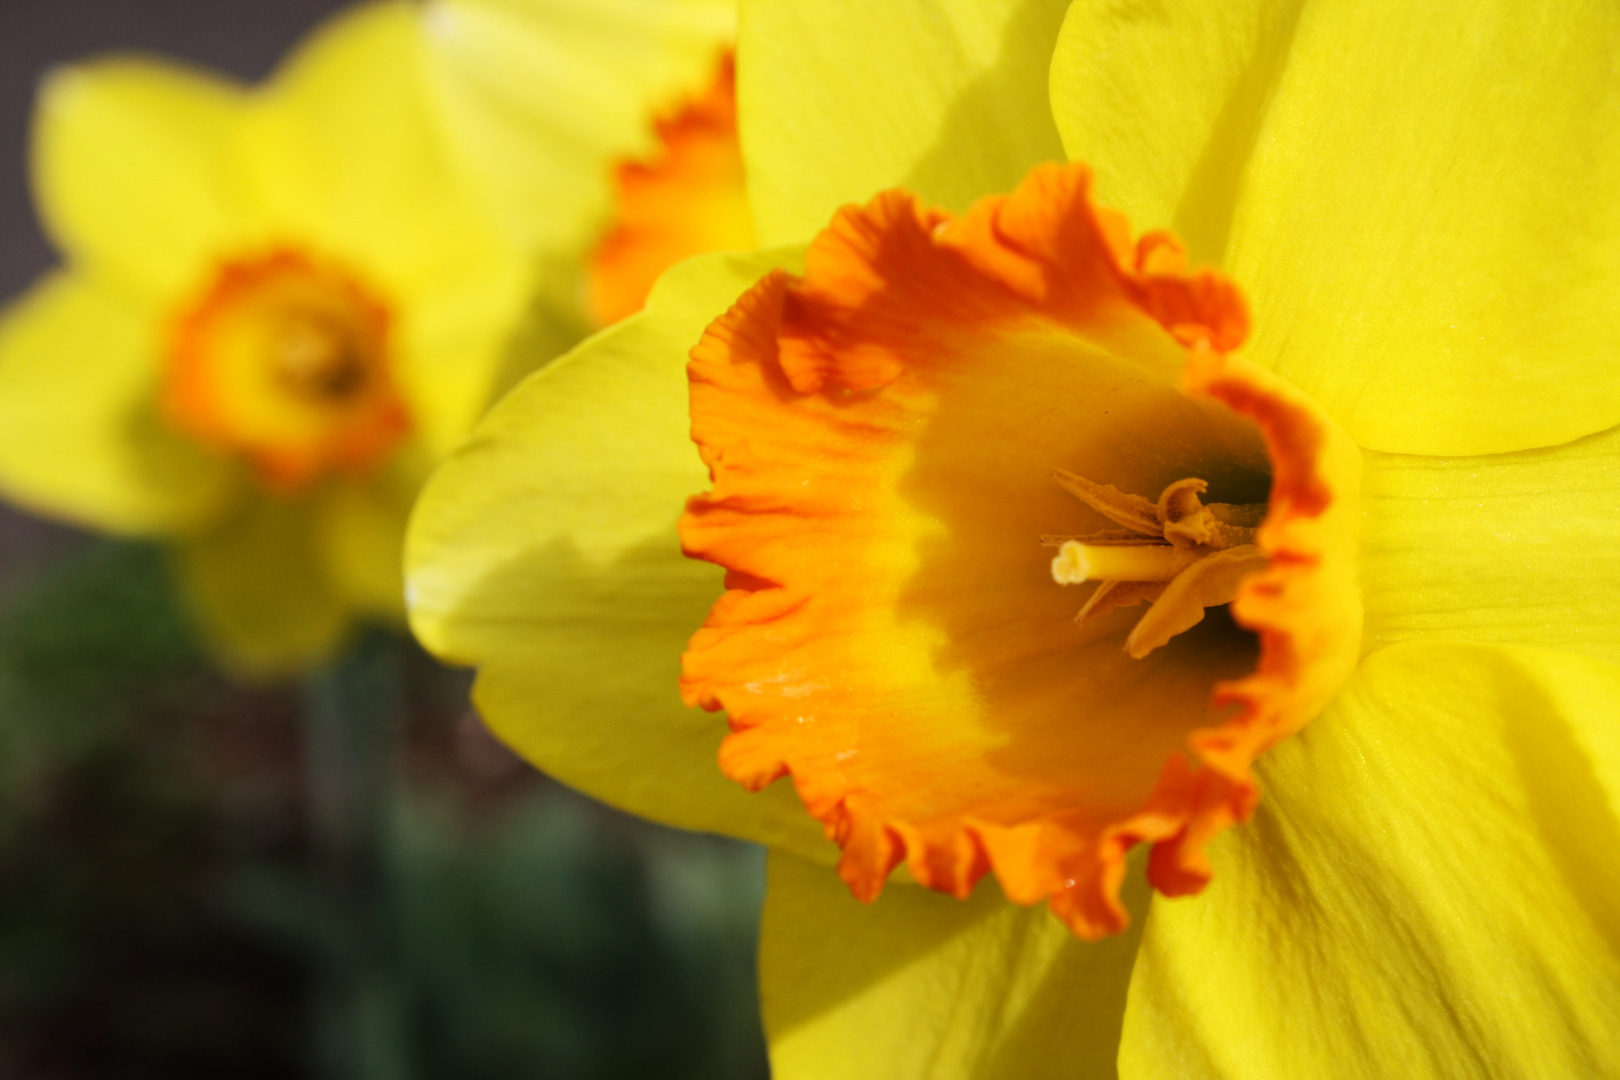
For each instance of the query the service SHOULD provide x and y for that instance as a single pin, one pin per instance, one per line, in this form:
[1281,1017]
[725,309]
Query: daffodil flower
[602,134]
[1418,387]
[278,307]
[281,305]
[690,200]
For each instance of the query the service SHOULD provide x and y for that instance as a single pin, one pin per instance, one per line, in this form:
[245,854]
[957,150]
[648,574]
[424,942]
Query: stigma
[1178,554]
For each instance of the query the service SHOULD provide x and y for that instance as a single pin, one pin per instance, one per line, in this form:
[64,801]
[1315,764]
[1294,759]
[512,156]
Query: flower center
[1177,555]
[880,432]
[285,360]
[316,357]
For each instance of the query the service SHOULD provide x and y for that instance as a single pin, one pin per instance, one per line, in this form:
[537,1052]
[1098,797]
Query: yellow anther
[1179,555]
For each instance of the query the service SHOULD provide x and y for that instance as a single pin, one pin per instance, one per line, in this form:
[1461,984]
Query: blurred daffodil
[602,133]
[689,200]
[891,417]
[281,305]
[278,307]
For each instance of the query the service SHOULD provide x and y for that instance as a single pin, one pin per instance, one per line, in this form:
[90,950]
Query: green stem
[352,713]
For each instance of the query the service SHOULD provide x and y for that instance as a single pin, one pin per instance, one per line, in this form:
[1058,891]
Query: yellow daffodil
[1393,462]
[280,305]
[691,200]
[547,99]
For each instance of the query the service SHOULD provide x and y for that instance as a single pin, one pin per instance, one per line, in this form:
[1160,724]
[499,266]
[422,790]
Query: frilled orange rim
[285,359]
[690,199]
[880,434]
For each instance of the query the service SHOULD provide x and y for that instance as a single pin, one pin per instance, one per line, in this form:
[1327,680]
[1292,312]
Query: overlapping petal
[83,438]
[545,552]
[947,98]
[918,986]
[1428,889]
[164,133]
[1445,198]
[256,584]
[1513,548]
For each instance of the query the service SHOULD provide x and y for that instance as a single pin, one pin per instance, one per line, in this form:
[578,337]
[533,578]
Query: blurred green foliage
[160,915]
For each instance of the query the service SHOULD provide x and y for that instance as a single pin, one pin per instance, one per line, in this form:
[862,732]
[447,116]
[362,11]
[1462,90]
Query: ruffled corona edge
[1045,249]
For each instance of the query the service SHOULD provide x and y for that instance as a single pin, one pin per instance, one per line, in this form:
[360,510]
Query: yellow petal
[918,986]
[1514,548]
[455,348]
[541,96]
[80,436]
[129,161]
[1428,889]
[544,552]
[1165,109]
[361,533]
[841,99]
[345,151]
[1423,216]
[257,589]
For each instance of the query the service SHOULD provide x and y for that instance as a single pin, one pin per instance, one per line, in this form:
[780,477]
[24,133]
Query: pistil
[1078,562]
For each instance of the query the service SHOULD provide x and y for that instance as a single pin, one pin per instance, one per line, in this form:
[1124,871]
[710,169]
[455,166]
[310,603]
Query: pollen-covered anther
[1179,555]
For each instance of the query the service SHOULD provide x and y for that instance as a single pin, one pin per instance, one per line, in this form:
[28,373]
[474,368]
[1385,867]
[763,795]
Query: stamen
[1178,554]
[1131,511]
[1210,582]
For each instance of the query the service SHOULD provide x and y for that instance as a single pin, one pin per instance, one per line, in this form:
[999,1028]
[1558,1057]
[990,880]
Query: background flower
[357,195]
[156,821]
[542,97]
[337,164]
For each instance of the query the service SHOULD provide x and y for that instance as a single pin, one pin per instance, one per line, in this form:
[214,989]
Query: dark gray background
[243,37]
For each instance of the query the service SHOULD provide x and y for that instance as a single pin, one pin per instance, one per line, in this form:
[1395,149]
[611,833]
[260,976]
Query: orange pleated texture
[690,200]
[881,435]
